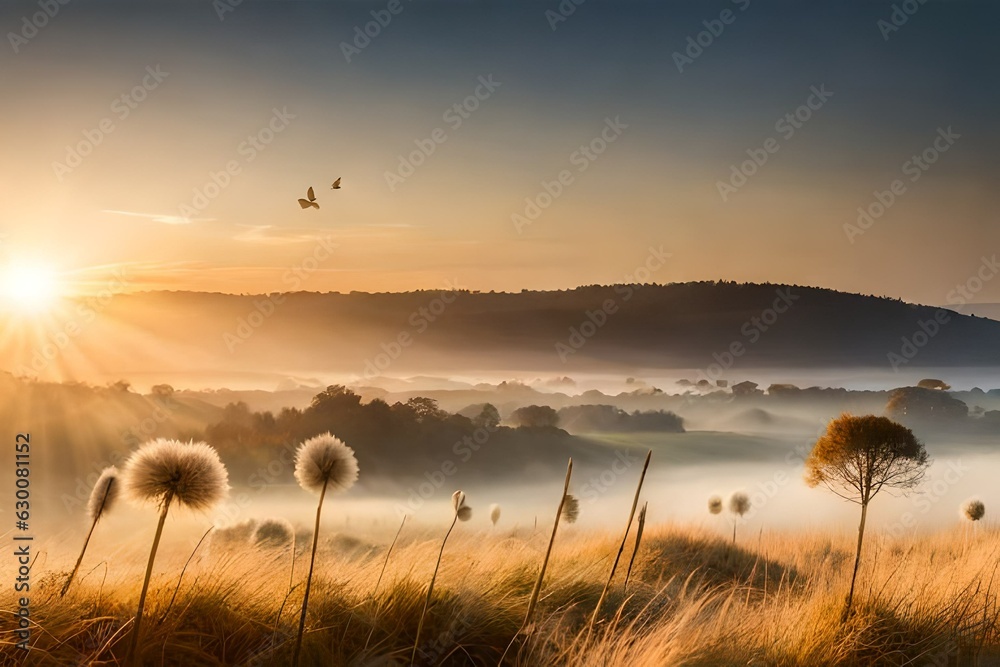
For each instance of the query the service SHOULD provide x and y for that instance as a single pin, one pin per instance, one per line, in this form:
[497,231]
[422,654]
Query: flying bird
[336,184]
[311,201]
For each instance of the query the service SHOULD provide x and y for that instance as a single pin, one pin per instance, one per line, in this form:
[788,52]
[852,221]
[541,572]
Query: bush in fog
[534,416]
[917,404]
[590,418]
[274,533]
[933,383]
[236,534]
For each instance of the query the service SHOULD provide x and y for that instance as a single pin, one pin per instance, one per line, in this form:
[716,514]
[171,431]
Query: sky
[158,145]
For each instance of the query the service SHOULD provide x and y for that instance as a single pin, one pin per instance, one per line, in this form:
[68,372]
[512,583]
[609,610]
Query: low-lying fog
[677,488]
[756,445]
[880,378]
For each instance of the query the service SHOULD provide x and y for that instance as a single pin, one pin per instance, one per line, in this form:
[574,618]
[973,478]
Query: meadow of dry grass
[694,599]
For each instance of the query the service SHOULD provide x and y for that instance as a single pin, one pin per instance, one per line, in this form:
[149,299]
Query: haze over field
[351,333]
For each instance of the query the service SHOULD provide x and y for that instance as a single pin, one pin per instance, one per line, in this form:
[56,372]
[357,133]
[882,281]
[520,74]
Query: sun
[29,287]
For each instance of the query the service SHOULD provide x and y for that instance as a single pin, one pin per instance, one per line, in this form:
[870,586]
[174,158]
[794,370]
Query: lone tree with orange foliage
[859,456]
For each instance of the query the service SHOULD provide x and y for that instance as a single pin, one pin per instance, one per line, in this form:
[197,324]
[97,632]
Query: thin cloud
[158,217]
[271,235]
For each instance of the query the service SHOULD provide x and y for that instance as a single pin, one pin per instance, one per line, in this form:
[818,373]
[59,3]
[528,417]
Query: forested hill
[689,325]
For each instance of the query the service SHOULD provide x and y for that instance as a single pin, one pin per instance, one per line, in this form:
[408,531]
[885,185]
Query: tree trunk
[857,561]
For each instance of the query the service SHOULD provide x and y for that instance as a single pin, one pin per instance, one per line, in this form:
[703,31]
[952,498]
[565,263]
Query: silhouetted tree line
[386,437]
[591,418]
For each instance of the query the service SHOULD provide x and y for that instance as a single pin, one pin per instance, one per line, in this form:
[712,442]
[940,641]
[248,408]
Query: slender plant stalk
[638,540]
[277,619]
[545,563]
[430,591]
[85,543]
[181,578]
[132,658]
[291,570]
[628,527]
[312,563]
[378,607]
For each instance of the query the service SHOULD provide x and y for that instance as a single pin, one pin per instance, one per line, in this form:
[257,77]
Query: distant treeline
[597,418]
[398,440]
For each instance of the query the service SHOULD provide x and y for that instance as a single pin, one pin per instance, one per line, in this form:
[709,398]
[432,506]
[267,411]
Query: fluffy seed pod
[105,493]
[739,503]
[973,510]
[325,459]
[190,474]
[715,505]
[494,513]
[570,509]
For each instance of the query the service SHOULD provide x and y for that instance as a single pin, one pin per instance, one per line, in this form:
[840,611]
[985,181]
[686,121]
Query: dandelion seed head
[715,505]
[325,459]
[739,503]
[189,473]
[973,509]
[570,508]
[106,492]
[458,500]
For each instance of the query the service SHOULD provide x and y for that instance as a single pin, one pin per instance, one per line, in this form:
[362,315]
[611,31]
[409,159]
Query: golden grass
[693,599]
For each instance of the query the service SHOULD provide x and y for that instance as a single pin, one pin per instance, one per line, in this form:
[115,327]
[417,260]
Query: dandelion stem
[545,562]
[635,549]
[312,562]
[548,552]
[291,570]
[181,578]
[430,589]
[145,582]
[80,559]
[378,608]
[97,516]
[628,527]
